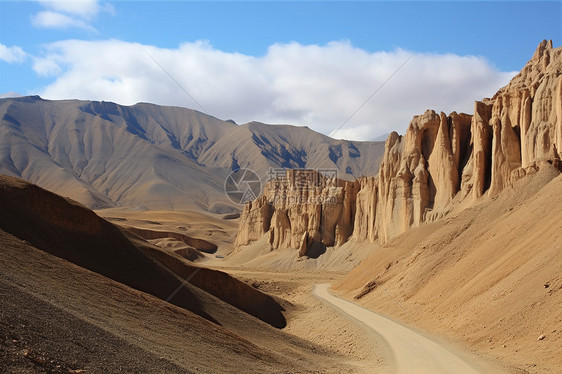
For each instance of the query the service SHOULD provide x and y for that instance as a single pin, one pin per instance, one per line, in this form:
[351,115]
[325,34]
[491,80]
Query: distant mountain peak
[102,153]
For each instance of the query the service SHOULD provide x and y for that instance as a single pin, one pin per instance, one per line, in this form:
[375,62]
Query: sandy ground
[78,295]
[292,280]
[412,352]
[287,278]
[56,317]
[215,228]
[311,319]
[484,281]
[487,278]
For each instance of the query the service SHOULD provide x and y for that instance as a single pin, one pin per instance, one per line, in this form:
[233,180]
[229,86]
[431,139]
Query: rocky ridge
[440,162]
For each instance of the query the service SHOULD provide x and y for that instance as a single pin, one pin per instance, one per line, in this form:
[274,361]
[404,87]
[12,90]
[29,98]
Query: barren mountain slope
[56,316]
[72,232]
[488,276]
[101,316]
[259,146]
[111,154]
[103,154]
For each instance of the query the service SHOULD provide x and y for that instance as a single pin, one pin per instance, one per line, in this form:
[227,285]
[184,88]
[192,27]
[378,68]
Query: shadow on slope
[57,317]
[223,286]
[199,244]
[70,231]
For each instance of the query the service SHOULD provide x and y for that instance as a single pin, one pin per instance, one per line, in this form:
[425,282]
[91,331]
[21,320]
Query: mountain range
[147,156]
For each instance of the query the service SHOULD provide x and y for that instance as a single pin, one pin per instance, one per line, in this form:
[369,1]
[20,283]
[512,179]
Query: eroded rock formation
[304,210]
[420,174]
[520,126]
[440,161]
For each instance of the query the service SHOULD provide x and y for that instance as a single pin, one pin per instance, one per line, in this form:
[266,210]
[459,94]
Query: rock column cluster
[302,209]
[440,161]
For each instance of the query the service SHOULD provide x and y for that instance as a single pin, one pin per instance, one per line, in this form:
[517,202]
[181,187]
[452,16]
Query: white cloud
[361,132]
[317,86]
[53,20]
[13,54]
[82,8]
[46,67]
[64,14]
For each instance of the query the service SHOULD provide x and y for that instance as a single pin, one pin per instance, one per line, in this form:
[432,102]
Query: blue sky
[304,63]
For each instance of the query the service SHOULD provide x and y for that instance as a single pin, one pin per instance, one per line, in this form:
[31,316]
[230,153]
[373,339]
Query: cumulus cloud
[46,67]
[64,14]
[54,20]
[317,86]
[82,8]
[13,54]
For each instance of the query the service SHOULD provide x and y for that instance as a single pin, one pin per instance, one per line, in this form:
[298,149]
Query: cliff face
[440,161]
[519,127]
[304,210]
[419,174]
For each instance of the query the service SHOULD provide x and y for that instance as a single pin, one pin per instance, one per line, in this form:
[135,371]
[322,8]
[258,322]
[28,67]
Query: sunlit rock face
[301,210]
[441,161]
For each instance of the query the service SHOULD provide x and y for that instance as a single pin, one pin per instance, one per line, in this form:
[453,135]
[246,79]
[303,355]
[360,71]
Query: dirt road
[412,353]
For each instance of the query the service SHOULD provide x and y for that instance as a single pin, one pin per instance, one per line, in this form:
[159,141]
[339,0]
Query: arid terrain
[58,317]
[488,277]
[447,260]
[447,292]
[68,307]
[147,156]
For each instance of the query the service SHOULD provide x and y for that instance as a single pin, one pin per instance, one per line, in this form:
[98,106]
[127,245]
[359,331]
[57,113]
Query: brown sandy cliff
[304,210]
[440,162]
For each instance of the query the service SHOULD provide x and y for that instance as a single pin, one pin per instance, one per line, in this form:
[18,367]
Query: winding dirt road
[412,353]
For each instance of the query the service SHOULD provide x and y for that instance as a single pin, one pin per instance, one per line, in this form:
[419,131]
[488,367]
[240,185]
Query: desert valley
[435,251]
